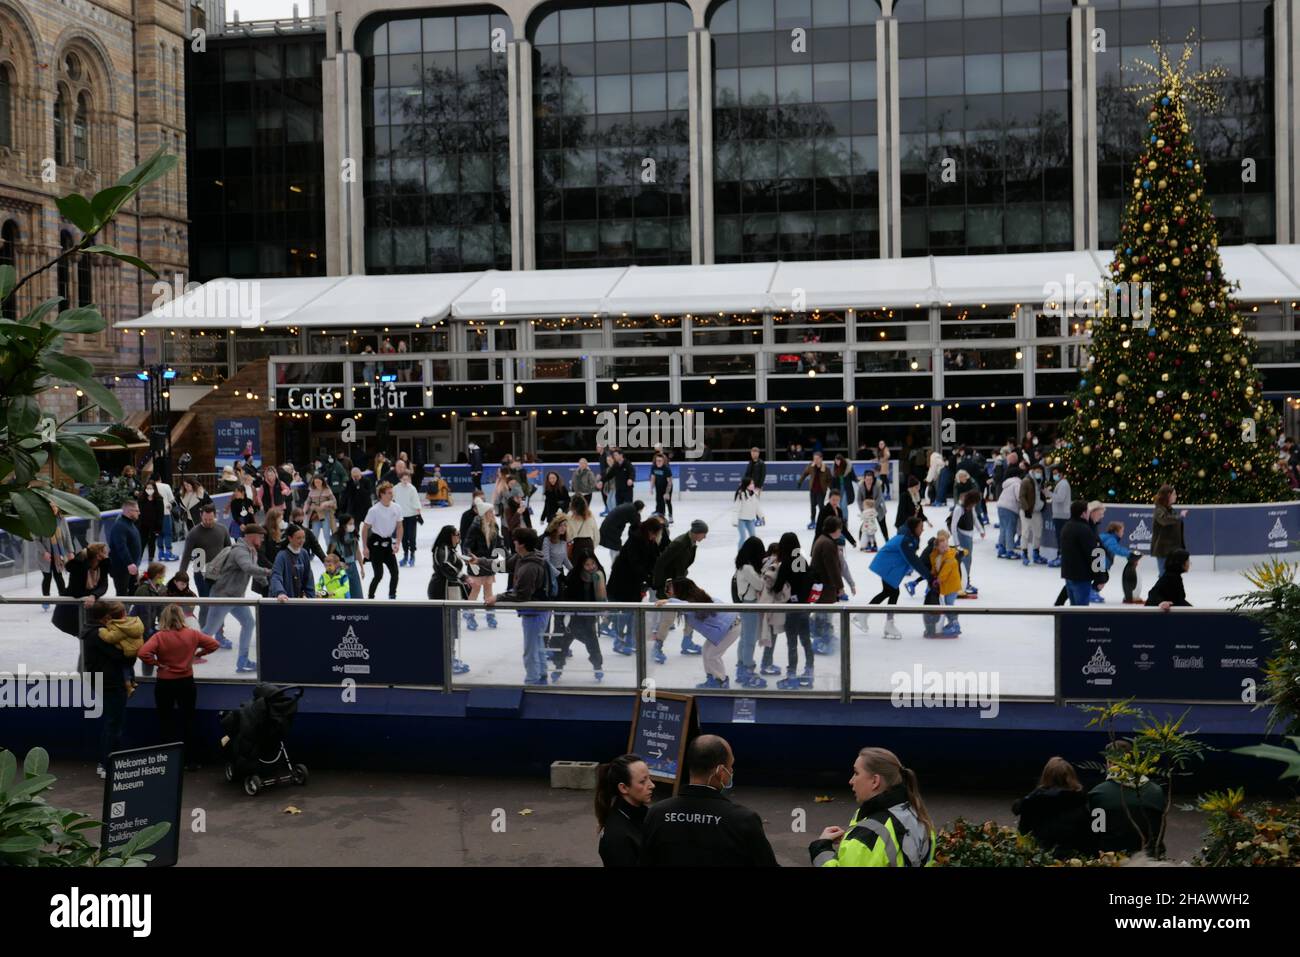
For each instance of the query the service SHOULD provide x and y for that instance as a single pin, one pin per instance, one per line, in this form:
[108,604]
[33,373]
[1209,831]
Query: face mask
[1038,476]
[731,781]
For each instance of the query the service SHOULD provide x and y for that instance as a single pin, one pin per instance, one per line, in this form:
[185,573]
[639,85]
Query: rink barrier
[1182,656]
[1233,532]
[688,476]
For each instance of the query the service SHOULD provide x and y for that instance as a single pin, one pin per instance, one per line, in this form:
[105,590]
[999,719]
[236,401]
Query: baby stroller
[253,746]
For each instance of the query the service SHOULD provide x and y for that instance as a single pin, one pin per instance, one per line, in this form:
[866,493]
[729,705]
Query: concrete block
[575,775]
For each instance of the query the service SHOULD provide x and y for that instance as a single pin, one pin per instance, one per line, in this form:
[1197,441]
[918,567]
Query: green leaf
[41,311]
[24,414]
[8,279]
[68,368]
[37,762]
[33,511]
[149,836]
[77,210]
[116,253]
[75,457]
[33,785]
[80,321]
[159,164]
[71,504]
[20,844]
[108,201]
[8,769]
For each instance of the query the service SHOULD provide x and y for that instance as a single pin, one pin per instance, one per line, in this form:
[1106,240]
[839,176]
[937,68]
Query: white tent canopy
[1265,273]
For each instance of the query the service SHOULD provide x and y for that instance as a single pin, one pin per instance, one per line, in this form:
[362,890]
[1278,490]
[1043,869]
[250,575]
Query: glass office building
[256,162]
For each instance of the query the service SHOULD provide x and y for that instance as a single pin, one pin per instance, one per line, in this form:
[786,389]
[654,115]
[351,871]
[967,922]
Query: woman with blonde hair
[486,549]
[88,580]
[891,827]
[582,531]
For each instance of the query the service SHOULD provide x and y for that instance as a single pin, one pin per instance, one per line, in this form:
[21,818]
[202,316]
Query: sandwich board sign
[142,787]
[661,728]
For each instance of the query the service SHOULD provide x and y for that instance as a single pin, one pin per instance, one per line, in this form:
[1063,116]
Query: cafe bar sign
[378,395]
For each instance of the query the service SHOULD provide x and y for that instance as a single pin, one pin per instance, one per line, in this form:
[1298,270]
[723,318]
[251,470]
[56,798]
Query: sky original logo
[350,648]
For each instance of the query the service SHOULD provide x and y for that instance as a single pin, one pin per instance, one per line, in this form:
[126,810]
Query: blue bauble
[1153,137]
[1151,330]
[1146,184]
[1164,101]
[1128,250]
[1110,492]
[1082,383]
[1155,461]
[1232,475]
[1190,164]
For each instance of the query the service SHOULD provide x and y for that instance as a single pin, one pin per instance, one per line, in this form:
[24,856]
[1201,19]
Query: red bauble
[1146,207]
[1151,356]
[1214,394]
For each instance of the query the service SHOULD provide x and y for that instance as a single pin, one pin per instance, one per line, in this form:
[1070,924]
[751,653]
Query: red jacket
[173,651]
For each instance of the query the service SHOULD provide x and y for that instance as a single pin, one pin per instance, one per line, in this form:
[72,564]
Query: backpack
[216,564]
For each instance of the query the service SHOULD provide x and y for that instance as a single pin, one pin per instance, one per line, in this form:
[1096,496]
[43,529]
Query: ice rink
[1018,648]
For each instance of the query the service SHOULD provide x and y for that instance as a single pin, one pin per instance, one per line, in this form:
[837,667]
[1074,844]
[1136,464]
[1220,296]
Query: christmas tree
[1171,394]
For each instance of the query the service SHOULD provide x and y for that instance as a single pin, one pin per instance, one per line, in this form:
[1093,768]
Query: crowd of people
[701,826]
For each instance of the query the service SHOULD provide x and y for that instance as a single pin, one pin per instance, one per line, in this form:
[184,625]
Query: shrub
[967,844]
[1238,834]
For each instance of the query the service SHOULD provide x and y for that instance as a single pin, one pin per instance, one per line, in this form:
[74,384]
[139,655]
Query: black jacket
[701,827]
[466,520]
[1058,819]
[615,479]
[99,657]
[1078,540]
[1169,588]
[554,499]
[673,562]
[755,472]
[825,512]
[357,499]
[620,841]
[65,616]
[632,569]
[474,456]
[906,509]
[618,519]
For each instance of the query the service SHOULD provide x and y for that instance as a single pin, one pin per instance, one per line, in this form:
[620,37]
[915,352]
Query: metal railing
[845,685]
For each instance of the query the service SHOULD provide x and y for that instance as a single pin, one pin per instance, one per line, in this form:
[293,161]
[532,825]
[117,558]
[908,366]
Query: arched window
[6,107]
[81,133]
[85,281]
[64,271]
[61,128]
[9,257]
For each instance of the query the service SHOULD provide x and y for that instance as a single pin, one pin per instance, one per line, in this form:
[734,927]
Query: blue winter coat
[893,562]
[283,575]
[1114,548]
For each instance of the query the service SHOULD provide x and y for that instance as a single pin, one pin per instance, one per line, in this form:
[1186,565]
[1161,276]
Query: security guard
[891,827]
[701,827]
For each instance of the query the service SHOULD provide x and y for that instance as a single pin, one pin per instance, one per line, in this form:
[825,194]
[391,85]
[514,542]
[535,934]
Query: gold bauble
[1163,183]
[1146,227]
[1178,417]
[1123,426]
[1160,144]
[1116,454]
[1173,313]
[1164,297]
[1153,165]
[1162,267]
[1178,209]
[1185,128]
[1177,261]
[1110,404]
[1200,473]
[1214,436]
[1188,440]
[1164,377]
[1186,396]
[1087,450]
[1151,400]
[1197,308]
[1096,390]
[1236,373]
[1122,379]
[1250,390]
[1166,435]
[1118,469]
[1247,466]
[1094,423]
[1193,347]
[1119,396]
[1242,360]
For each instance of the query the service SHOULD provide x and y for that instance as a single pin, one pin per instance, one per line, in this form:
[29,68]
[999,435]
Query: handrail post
[641,638]
[846,663]
[449,622]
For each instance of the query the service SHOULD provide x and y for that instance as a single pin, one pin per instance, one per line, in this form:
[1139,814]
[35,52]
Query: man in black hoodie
[619,479]
[1080,550]
[701,826]
[620,518]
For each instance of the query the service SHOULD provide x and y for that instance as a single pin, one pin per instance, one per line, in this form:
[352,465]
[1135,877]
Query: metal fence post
[641,638]
[257,628]
[1056,658]
[846,663]
[448,646]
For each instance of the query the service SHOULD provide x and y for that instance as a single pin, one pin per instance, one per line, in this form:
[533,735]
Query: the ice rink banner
[330,642]
[236,439]
[1154,656]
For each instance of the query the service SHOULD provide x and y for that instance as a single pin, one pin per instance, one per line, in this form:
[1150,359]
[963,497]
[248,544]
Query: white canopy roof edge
[1265,273]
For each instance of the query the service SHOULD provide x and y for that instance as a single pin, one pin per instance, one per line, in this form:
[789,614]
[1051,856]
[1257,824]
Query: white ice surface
[1018,649]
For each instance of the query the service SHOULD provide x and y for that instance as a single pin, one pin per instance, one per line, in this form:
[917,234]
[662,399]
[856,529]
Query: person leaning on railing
[528,585]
